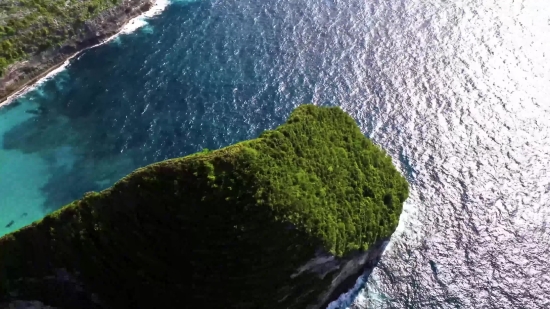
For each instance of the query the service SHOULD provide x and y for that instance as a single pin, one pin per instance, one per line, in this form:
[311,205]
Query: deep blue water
[457,92]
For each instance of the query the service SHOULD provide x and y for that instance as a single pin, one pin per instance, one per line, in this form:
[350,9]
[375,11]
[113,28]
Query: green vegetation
[30,26]
[225,228]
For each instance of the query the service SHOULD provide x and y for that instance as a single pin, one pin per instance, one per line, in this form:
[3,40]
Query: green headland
[228,228]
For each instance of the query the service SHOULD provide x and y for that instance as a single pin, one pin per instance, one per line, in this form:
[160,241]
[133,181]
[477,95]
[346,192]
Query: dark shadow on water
[192,84]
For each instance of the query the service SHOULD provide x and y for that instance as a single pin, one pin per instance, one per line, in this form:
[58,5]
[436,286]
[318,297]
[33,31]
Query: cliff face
[72,38]
[287,220]
[347,270]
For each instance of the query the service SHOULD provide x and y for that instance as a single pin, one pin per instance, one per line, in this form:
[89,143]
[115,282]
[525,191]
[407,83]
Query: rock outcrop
[288,220]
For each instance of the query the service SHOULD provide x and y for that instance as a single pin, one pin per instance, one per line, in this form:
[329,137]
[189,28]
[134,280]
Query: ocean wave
[139,21]
[346,300]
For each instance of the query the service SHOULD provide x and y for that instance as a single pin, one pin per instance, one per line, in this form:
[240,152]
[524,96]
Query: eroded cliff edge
[287,220]
[36,36]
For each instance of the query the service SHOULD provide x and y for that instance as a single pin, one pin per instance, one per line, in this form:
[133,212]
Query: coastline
[50,63]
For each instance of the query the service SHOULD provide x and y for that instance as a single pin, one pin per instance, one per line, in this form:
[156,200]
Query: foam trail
[131,26]
[140,21]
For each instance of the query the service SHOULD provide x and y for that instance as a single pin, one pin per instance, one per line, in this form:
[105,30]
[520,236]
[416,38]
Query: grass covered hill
[226,228]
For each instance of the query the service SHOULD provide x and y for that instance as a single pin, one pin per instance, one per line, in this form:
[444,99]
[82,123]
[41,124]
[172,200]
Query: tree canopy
[235,223]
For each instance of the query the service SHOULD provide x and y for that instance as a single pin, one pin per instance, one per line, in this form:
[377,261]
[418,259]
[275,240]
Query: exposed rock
[94,31]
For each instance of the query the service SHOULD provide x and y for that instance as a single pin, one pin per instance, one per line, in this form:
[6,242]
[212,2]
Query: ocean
[457,92]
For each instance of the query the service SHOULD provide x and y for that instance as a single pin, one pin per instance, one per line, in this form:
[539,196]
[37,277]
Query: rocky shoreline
[360,264]
[93,32]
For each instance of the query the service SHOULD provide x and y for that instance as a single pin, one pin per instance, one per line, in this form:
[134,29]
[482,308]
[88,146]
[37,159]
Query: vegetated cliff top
[28,27]
[228,226]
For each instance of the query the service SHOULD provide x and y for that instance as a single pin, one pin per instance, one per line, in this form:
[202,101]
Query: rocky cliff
[38,59]
[287,220]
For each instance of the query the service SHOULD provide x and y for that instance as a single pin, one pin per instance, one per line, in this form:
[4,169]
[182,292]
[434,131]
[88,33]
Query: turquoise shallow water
[457,92]
[22,177]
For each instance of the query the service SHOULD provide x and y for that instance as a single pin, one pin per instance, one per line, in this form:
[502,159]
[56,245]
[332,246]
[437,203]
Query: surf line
[132,25]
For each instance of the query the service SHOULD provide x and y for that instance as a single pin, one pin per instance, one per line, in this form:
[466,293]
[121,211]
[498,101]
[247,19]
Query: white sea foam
[141,20]
[132,25]
[345,300]
[33,86]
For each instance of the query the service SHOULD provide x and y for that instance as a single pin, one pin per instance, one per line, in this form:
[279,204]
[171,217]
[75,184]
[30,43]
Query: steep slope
[37,35]
[275,222]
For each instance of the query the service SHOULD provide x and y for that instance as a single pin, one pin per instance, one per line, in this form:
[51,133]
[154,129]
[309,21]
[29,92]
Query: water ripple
[457,92]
